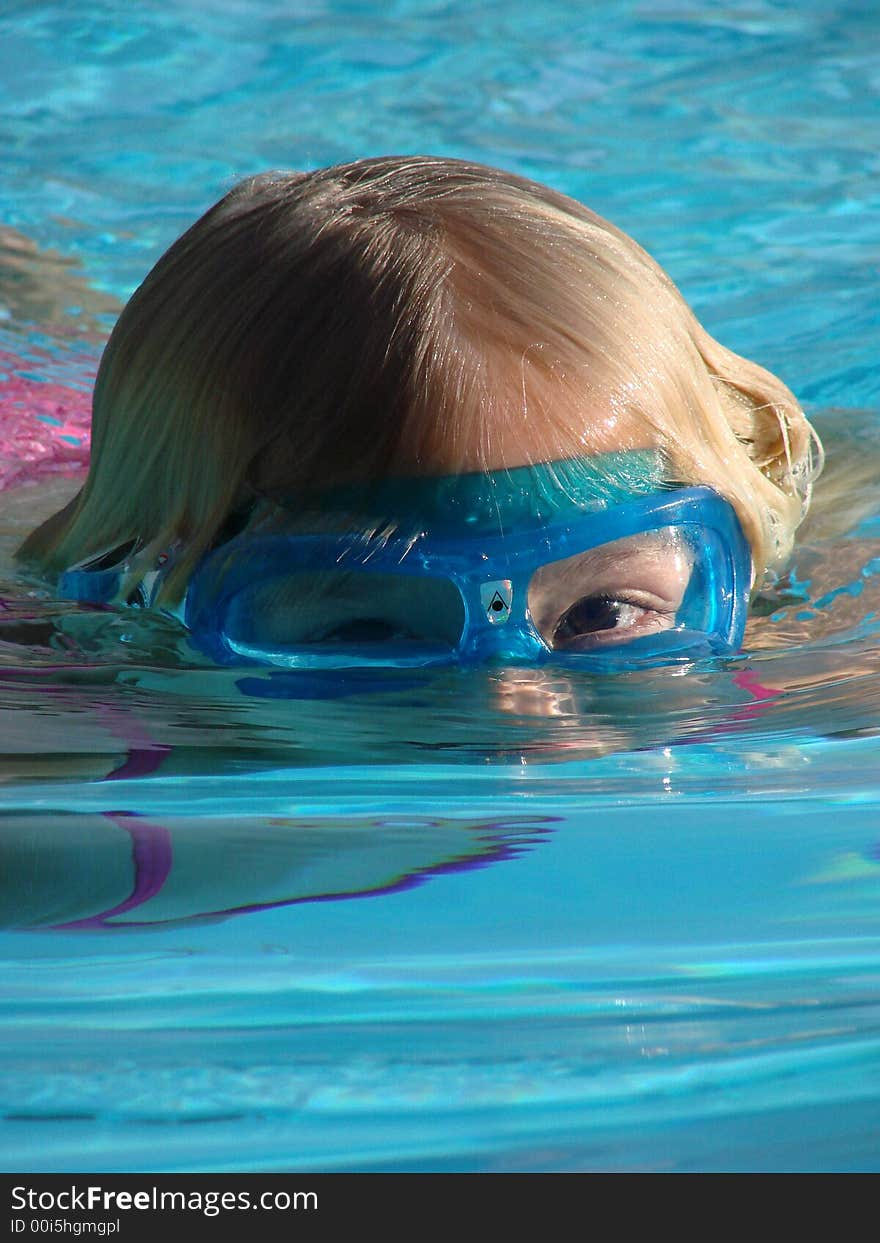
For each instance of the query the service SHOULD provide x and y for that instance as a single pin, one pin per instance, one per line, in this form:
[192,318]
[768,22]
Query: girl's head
[408,317]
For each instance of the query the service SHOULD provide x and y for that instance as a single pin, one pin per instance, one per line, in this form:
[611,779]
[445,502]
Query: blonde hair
[409,315]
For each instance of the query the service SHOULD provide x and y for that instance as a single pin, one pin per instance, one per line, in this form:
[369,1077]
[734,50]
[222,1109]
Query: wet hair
[409,315]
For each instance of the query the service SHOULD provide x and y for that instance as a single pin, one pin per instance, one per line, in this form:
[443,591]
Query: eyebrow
[616,555]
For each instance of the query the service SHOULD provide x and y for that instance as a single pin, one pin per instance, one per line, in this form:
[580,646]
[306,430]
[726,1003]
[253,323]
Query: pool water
[525,920]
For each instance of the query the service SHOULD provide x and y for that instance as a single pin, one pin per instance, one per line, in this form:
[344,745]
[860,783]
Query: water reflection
[45,287]
[98,710]
[117,870]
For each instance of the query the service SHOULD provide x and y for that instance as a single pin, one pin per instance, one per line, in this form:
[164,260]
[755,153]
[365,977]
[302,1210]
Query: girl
[417,409]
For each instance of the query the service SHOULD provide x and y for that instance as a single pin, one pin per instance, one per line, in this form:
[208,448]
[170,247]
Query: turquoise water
[517,921]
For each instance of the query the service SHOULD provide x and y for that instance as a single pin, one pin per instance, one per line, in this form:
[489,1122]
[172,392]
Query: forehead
[538,436]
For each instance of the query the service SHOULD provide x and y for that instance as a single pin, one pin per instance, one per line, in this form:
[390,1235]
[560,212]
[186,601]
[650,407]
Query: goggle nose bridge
[496,600]
[497,618]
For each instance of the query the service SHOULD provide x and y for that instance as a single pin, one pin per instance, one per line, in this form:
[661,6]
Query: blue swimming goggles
[592,561]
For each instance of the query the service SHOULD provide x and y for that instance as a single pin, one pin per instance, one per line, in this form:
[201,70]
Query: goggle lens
[314,617]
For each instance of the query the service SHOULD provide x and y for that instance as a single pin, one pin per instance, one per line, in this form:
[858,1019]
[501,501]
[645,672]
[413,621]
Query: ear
[765,417]
[758,424]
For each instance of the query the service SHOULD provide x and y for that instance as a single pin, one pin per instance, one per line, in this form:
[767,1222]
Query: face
[582,555]
[585,557]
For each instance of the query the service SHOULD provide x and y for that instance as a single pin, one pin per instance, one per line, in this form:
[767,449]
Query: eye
[603,618]
[333,608]
[366,630]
